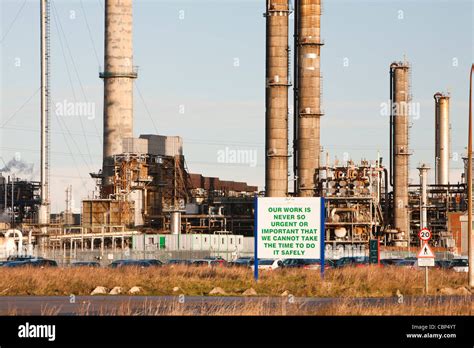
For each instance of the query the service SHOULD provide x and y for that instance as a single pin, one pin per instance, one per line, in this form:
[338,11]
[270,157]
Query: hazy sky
[202,74]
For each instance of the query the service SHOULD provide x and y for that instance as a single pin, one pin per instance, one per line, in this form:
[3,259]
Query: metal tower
[45,13]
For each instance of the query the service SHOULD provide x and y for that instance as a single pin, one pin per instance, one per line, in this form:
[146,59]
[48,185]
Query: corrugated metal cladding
[161,145]
[135,145]
[107,212]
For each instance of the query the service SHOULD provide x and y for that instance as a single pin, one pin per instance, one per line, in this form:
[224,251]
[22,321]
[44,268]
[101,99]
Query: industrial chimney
[308,94]
[276,98]
[45,20]
[118,76]
[442,138]
[399,124]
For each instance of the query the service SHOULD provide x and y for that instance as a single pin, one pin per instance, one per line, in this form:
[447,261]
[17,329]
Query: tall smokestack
[400,98]
[442,138]
[118,76]
[308,42]
[44,209]
[276,99]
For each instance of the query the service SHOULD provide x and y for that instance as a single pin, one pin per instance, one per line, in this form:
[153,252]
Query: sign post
[289,228]
[255,260]
[425,256]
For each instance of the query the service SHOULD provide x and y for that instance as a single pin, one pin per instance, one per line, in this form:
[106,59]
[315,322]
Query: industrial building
[145,189]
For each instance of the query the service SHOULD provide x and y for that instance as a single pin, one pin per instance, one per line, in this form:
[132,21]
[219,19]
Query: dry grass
[264,307]
[348,283]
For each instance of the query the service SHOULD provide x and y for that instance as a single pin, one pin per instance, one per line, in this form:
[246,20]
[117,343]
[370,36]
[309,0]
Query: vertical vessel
[442,140]
[276,98]
[308,95]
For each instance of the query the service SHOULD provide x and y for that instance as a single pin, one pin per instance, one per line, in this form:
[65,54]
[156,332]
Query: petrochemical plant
[146,195]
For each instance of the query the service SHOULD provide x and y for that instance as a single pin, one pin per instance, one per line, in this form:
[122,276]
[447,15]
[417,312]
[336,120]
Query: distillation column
[309,94]
[118,76]
[276,98]
[423,195]
[442,138]
[400,106]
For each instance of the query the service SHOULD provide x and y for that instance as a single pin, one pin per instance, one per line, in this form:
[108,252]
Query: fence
[108,256]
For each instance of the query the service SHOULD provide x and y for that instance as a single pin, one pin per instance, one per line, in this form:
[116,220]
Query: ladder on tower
[48,95]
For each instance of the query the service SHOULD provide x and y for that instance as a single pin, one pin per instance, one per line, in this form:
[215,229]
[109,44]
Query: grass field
[198,281]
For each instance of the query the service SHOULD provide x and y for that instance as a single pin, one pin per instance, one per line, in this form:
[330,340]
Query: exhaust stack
[276,99]
[400,98]
[308,94]
[44,208]
[423,195]
[442,140]
[118,76]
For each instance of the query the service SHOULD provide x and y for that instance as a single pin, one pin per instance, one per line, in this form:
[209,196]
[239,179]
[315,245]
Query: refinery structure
[147,197]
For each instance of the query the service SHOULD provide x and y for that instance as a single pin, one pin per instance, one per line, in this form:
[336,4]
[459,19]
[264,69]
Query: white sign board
[289,228]
[425,262]
[426,252]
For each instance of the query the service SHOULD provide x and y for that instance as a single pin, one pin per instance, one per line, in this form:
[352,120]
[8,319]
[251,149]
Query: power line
[90,32]
[69,75]
[20,108]
[72,157]
[13,22]
[146,108]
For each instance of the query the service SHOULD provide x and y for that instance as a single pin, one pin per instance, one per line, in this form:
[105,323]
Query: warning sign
[289,228]
[425,252]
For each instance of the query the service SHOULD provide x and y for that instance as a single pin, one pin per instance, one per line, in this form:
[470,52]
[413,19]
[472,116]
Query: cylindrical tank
[442,138]
[118,78]
[276,115]
[175,224]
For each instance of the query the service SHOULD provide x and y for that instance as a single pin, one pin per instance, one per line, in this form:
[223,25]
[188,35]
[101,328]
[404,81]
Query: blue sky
[189,82]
